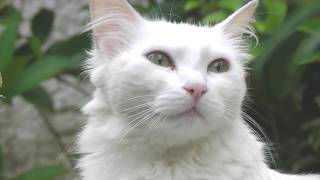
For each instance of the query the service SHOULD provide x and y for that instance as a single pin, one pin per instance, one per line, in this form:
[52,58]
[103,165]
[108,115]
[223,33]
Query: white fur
[137,129]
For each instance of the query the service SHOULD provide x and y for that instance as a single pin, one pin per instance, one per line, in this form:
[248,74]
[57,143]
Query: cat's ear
[240,22]
[114,24]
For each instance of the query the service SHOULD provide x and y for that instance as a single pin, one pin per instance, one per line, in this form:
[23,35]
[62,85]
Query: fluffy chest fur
[227,155]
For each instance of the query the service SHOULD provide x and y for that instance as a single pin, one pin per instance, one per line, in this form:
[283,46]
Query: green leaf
[277,10]
[314,140]
[11,74]
[35,46]
[8,41]
[43,173]
[230,4]
[279,37]
[311,59]
[71,46]
[38,72]
[307,51]
[42,24]
[191,5]
[39,98]
[310,26]
[294,68]
[214,17]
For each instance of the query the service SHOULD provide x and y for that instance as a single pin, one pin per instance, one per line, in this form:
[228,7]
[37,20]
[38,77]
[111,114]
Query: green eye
[160,58]
[219,66]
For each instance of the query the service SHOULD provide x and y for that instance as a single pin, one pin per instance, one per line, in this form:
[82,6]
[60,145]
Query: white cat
[167,104]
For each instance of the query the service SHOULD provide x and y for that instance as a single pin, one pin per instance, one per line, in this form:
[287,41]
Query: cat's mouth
[193,112]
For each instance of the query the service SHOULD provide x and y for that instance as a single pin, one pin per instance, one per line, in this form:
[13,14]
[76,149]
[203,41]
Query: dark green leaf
[71,46]
[8,41]
[38,72]
[42,24]
[43,173]
[23,50]
[39,98]
[293,70]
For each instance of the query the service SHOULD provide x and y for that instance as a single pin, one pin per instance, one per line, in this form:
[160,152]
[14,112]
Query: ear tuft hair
[240,22]
[114,24]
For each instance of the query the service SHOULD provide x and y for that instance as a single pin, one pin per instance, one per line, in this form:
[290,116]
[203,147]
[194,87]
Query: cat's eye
[160,58]
[219,66]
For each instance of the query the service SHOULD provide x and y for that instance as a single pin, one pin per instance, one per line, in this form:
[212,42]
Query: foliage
[284,79]
[25,66]
[41,173]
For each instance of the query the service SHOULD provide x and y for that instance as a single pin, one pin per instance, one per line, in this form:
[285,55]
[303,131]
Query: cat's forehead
[183,33]
[183,38]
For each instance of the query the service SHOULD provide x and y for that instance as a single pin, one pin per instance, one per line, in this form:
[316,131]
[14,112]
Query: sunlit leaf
[38,72]
[214,17]
[191,5]
[8,41]
[42,173]
[230,4]
[275,14]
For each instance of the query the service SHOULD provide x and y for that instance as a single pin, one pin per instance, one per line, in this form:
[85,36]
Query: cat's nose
[196,90]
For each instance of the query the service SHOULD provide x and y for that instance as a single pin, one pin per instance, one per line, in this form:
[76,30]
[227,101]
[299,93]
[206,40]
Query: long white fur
[136,129]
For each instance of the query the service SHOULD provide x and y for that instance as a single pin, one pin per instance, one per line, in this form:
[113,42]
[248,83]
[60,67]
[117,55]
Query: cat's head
[175,79]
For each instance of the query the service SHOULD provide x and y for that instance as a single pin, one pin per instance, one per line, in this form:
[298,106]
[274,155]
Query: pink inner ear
[114,23]
[103,30]
[240,21]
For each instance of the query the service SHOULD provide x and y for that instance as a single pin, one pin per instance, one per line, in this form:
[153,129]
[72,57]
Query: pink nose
[196,90]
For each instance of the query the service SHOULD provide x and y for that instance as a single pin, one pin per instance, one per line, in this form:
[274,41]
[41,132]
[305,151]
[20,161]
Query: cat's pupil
[219,66]
[159,61]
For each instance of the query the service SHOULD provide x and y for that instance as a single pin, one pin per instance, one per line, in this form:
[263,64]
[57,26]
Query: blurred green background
[284,80]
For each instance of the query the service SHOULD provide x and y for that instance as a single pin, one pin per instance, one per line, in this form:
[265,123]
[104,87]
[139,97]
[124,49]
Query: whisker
[134,98]
[135,107]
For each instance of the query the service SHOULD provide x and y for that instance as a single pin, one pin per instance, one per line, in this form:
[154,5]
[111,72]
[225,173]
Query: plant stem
[55,135]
